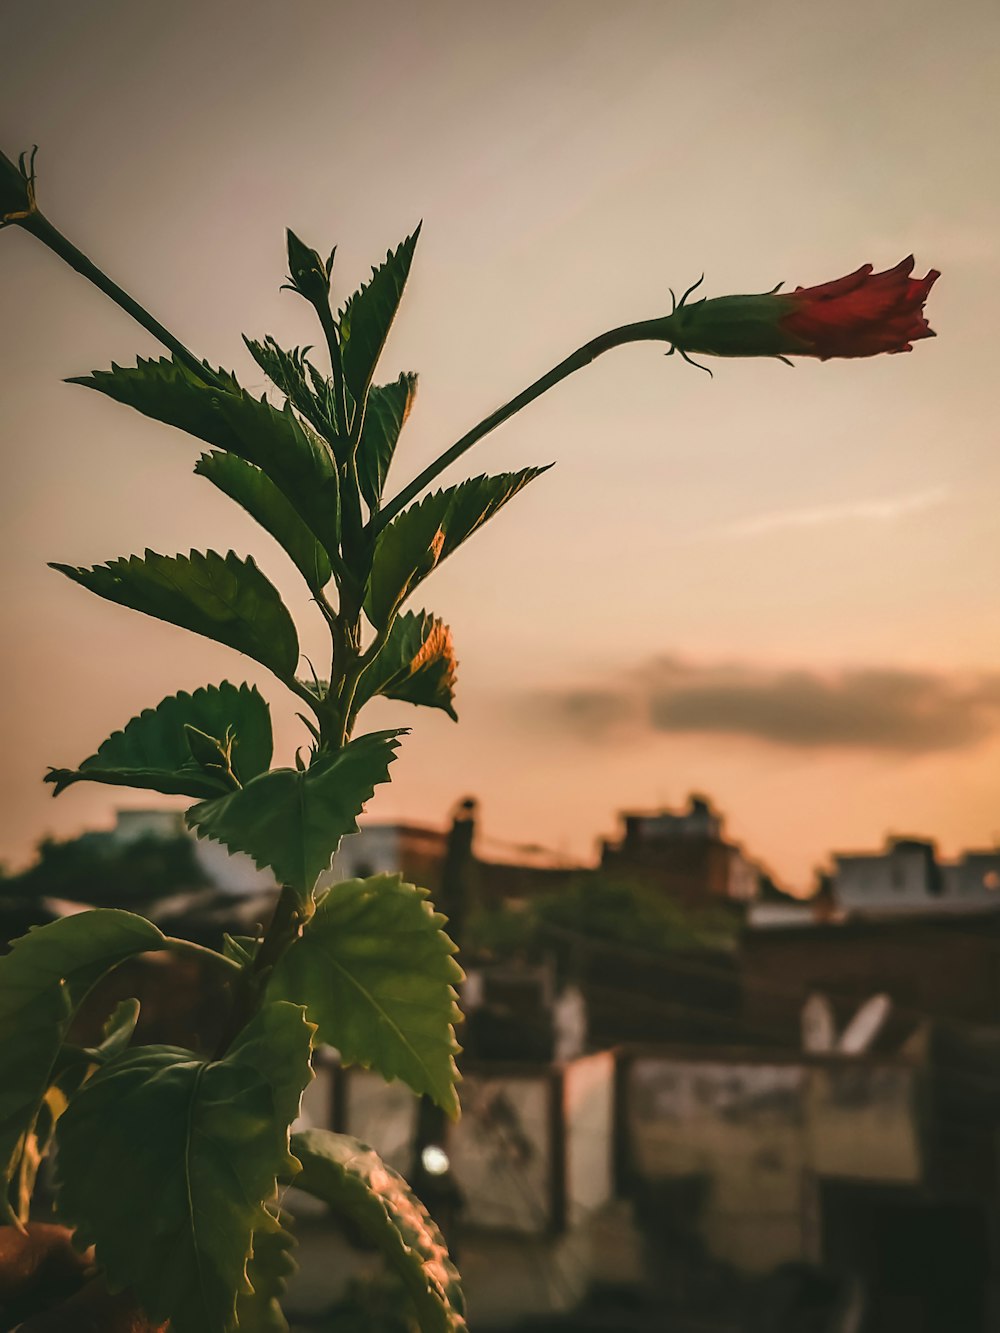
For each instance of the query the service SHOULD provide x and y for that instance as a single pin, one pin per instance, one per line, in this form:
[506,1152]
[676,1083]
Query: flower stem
[643,331]
[42,228]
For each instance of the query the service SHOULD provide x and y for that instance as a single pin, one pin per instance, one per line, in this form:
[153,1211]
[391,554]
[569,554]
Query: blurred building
[415,851]
[684,854]
[944,967]
[907,877]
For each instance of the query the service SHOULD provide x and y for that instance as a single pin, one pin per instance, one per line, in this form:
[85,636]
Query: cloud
[867,708]
[878,511]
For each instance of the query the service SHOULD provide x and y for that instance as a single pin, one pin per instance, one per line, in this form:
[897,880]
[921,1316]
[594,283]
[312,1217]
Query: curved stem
[201,951]
[643,331]
[42,228]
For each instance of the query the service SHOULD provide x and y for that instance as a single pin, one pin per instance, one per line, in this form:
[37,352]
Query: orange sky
[802,564]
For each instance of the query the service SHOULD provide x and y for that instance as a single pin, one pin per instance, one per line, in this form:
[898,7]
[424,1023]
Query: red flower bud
[860,315]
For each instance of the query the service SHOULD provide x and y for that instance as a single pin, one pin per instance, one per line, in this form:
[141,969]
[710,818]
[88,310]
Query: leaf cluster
[171,1162]
[312,473]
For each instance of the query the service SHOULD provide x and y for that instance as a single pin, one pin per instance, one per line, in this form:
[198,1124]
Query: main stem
[285,927]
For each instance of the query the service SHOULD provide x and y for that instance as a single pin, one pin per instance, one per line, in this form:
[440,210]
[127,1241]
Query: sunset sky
[779,587]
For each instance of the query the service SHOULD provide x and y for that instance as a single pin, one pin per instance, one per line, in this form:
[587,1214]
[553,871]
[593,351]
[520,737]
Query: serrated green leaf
[419,538]
[293,820]
[43,981]
[288,371]
[375,969]
[223,598]
[262,500]
[152,751]
[367,317]
[202,1144]
[271,1265]
[295,459]
[385,416]
[357,1184]
[417,665]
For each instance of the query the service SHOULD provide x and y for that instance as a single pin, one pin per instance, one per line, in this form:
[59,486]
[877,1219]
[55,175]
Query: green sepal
[292,820]
[307,273]
[221,597]
[166,1162]
[733,326]
[349,1176]
[377,974]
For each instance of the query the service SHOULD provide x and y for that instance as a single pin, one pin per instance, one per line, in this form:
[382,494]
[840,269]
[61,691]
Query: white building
[907,877]
[230,872]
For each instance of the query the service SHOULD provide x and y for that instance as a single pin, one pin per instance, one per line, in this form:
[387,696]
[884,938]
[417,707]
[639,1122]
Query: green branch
[200,951]
[39,225]
[644,331]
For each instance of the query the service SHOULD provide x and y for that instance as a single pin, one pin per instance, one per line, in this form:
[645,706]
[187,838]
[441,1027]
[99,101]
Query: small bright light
[434,1160]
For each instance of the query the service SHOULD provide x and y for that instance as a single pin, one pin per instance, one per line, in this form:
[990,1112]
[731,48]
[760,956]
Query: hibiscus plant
[171,1163]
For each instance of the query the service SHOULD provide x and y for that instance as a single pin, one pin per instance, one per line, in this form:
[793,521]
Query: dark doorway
[924,1263]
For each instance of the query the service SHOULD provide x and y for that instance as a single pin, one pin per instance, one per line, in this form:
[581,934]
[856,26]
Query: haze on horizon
[777,587]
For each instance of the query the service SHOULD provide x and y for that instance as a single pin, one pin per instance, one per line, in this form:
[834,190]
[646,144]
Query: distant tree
[600,910]
[103,873]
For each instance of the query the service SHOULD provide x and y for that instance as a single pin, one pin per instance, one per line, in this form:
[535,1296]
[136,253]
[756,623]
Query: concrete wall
[588,1108]
[532,1152]
[503,1152]
[758,1134]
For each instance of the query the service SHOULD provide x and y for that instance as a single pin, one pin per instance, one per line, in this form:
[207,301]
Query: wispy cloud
[885,709]
[884,510]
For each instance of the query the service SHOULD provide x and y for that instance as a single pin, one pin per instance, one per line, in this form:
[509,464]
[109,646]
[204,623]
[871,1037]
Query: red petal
[838,286]
[862,314]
